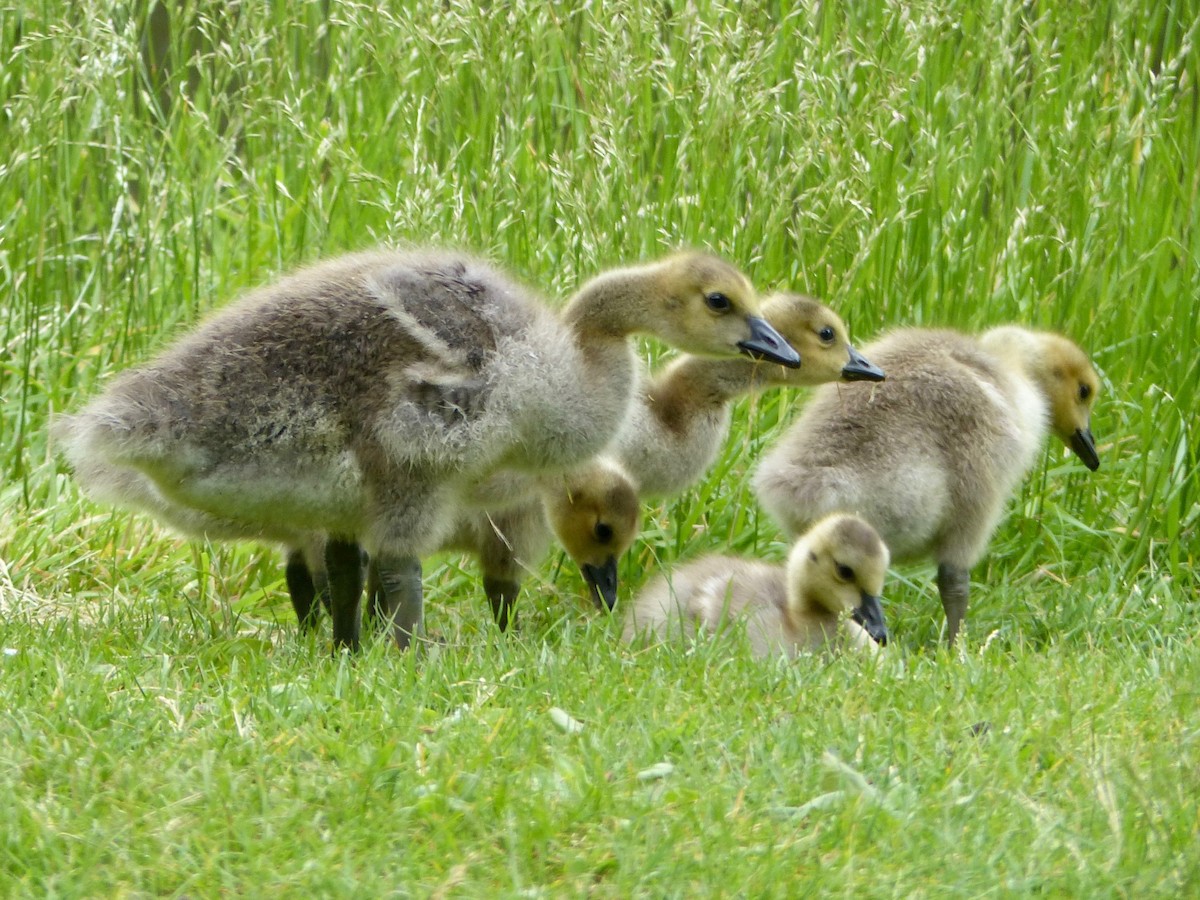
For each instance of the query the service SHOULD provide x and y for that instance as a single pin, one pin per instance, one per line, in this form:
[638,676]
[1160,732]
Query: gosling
[593,512]
[930,456]
[836,568]
[680,417]
[362,398]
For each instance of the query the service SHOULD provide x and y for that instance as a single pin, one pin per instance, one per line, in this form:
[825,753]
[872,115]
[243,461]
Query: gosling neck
[601,317]
[613,305]
[695,385]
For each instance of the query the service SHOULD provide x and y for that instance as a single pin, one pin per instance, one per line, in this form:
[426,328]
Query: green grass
[168,732]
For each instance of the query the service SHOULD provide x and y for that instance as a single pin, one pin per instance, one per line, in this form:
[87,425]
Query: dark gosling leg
[954,584]
[400,587]
[303,590]
[343,567]
[502,594]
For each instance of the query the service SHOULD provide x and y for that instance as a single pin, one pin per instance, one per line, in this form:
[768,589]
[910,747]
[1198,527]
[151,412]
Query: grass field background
[166,731]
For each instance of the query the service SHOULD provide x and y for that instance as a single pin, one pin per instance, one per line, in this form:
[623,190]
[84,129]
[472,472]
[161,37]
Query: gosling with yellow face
[930,456]
[592,512]
[828,596]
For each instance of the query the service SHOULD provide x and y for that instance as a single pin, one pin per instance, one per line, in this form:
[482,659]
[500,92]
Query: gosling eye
[826,335]
[1085,391]
[845,572]
[718,302]
[603,532]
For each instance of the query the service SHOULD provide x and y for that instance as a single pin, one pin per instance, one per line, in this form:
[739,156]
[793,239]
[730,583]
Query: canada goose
[592,510]
[595,515]
[362,397]
[836,568]
[680,416]
[930,456]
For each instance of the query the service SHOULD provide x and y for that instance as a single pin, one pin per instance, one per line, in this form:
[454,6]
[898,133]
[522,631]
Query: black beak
[1084,446]
[861,369]
[602,582]
[870,616]
[767,343]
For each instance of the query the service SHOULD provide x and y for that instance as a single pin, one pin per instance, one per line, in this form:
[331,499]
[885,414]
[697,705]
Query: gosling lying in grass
[827,597]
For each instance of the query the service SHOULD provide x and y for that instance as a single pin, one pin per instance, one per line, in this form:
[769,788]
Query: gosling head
[595,515]
[840,564]
[1068,379]
[1072,386]
[709,308]
[819,335]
